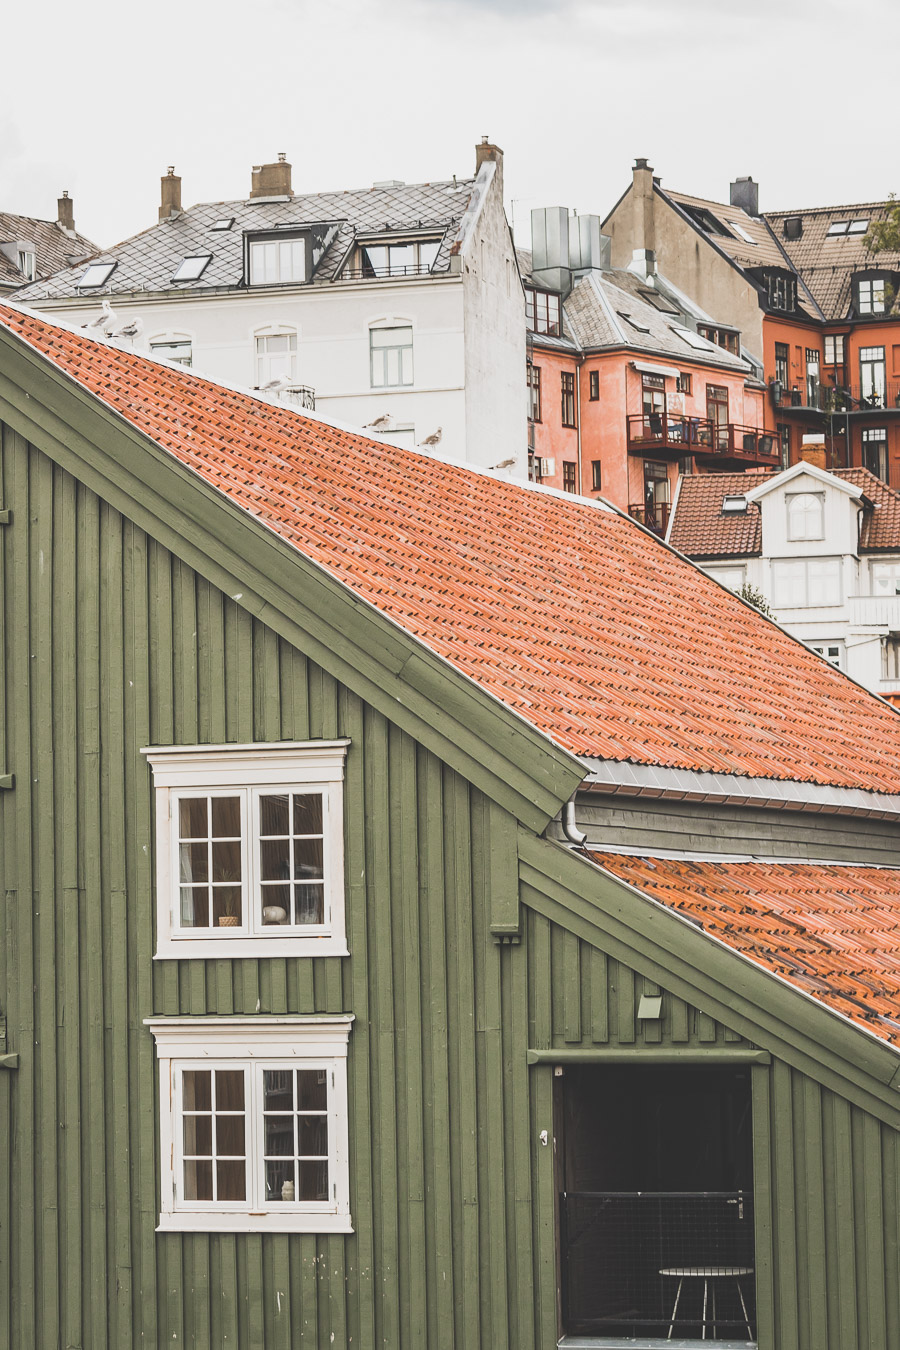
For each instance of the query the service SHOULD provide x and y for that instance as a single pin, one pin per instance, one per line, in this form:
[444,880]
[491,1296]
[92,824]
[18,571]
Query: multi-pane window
[872,376]
[684,383]
[782,293]
[27,263]
[533,377]
[277,261]
[874,451]
[886,578]
[276,358]
[832,651]
[732,577]
[806,515]
[543,312]
[178,351]
[871,296]
[806,582]
[567,389]
[890,659]
[391,356]
[253,1126]
[812,377]
[783,364]
[405,258]
[593,385]
[569,471]
[596,475]
[250,851]
[834,349]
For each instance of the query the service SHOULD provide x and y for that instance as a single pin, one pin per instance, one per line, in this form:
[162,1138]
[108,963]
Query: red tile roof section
[881,527]
[828,929]
[699,527]
[584,624]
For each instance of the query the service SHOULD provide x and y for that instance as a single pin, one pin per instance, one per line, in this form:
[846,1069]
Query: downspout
[570,827]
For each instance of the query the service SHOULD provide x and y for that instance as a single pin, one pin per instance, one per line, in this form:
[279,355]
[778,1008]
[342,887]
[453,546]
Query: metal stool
[707,1273]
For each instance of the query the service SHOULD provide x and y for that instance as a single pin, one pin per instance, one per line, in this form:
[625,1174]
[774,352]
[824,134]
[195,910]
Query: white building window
[177,349]
[391,356]
[886,578]
[806,583]
[27,263]
[806,515]
[732,577]
[249,850]
[871,296]
[277,262]
[253,1124]
[409,258]
[834,652]
[276,357]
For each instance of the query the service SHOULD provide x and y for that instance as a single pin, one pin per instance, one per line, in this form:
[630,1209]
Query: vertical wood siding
[109,643]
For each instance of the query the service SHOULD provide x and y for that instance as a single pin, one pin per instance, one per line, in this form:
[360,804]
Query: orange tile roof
[701,529]
[573,616]
[830,929]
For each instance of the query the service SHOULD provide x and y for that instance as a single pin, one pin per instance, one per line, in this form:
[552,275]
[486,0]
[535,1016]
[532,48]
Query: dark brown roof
[54,248]
[826,263]
[880,527]
[699,528]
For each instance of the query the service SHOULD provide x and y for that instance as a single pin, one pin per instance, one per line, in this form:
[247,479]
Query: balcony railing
[838,398]
[880,612]
[654,515]
[702,437]
[395,270]
[659,1264]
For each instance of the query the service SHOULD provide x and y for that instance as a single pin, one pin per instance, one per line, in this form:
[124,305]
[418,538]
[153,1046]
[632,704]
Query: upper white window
[192,267]
[277,261]
[806,515]
[872,296]
[249,850]
[95,274]
[886,578]
[806,583]
[276,357]
[27,263]
[253,1125]
[409,258]
[391,356]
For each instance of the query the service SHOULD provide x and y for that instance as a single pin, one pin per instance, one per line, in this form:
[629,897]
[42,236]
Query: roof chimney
[745,194]
[486,151]
[812,450]
[643,226]
[272,180]
[65,211]
[170,194]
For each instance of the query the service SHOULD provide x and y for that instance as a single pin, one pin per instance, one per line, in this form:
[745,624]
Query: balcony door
[871,376]
[717,412]
[656,1204]
[653,406]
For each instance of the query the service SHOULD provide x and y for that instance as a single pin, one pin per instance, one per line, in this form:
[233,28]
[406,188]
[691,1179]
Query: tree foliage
[883,236]
[755,597]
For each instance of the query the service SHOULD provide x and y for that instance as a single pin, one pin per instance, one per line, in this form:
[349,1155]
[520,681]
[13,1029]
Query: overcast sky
[99,98]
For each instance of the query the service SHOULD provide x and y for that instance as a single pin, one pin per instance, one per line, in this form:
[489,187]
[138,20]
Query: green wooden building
[434,913]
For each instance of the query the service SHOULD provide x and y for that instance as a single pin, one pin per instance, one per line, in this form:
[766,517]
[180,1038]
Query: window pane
[226,817]
[276,904]
[231,1180]
[198,1136]
[403,258]
[229,1089]
[428,253]
[226,859]
[230,1136]
[313,1136]
[198,1181]
[312,1089]
[273,815]
[313,1181]
[227,904]
[194,862]
[278,1093]
[194,907]
[196,1090]
[309,904]
[307,813]
[280,1181]
[279,1136]
[275,862]
[192,817]
[308,860]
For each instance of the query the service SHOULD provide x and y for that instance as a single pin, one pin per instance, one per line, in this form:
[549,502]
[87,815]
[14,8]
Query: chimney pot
[272,180]
[170,194]
[65,211]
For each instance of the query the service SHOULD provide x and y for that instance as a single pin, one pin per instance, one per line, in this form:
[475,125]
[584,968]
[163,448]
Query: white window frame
[782,568]
[802,524]
[278,260]
[822,646]
[27,263]
[379,362]
[172,339]
[248,771]
[273,365]
[733,578]
[252,1044]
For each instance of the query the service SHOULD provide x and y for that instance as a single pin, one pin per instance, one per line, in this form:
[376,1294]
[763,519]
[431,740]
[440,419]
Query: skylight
[659,302]
[225,224]
[192,267]
[837,227]
[734,505]
[691,338]
[858,227]
[741,232]
[641,328]
[95,274]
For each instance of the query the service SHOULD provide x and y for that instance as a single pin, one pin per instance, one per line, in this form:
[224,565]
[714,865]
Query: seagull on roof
[504,464]
[277,385]
[381,423]
[102,322]
[131,328]
[431,441]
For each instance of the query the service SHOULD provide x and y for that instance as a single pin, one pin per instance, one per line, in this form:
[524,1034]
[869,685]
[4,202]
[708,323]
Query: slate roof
[827,263]
[54,247]
[831,930]
[700,529]
[148,260]
[577,619]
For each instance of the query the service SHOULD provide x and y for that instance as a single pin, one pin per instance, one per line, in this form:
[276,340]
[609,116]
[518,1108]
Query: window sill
[239,1221]
[261,948]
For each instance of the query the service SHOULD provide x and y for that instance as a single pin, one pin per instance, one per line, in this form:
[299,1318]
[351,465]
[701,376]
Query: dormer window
[871,293]
[543,312]
[782,292]
[277,259]
[395,258]
[27,263]
[806,515]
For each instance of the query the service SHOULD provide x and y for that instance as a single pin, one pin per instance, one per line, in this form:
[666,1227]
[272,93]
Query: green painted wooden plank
[763,1202]
[842,1165]
[571,987]
[812,1161]
[599,995]
[870,1227]
[519,1150]
[625,1006]
[890,1144]
[785,1205]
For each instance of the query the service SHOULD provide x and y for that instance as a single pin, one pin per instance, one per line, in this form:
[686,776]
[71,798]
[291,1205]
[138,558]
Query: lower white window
[806,583]
[832,651]
[253,1124]
[276,358]
[390,356]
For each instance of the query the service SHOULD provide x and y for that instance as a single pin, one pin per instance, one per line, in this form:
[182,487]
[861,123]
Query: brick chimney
[745,194]
[643,258]
[65,211]
[170,194]
[486,151]
[812,451]
[272,180]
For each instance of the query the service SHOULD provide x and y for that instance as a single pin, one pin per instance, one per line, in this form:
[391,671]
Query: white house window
[253,1126]
[832,651]
[249,850]
[806,583]
[834,349]
[871,296]
[276,262]
[391,356]
[276,357]
[886,578]
[178,350]
[27,263]
[806,515]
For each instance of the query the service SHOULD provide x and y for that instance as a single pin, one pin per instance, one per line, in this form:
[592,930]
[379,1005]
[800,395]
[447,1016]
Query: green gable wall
[110,643]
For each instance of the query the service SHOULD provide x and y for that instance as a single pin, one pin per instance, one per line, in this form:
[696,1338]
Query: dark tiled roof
[699,527]
[148,260]
[881,526]
[569,613]
[54,248]
[829,929]
[825,263]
